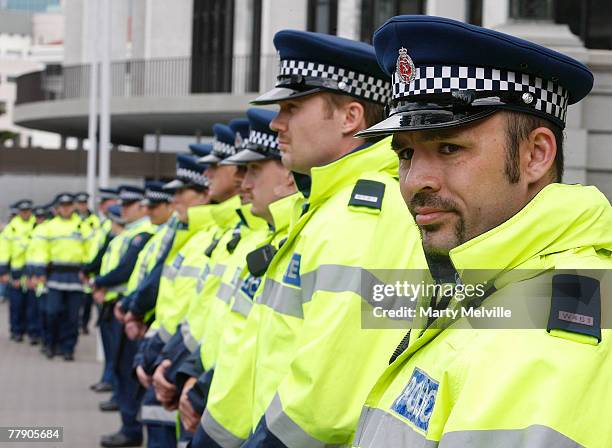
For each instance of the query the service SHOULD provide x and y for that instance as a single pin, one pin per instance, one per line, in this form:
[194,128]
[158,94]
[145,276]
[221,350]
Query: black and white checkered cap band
[157,196]
[550,98]
[192,177]
[349,82]
[125,195]
[223,149]
[262,139]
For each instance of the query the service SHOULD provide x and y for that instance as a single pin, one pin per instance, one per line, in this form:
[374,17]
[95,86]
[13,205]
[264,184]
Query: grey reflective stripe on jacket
[164,334]
[379,428]
[190,342]
[218,270]
[156,413]
[169,272]
[64,286]
[287,431]
[242,305]
[328,277]
[189,271]
[218,433]
[225,292]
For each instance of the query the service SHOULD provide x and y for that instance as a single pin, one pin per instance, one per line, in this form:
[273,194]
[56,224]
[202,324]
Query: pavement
[35,391]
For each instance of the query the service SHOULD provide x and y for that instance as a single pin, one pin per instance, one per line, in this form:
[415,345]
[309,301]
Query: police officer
[220,240]
[224,391]
[92,221]
[36,293]
[178,277]
[110,216]
[12,262]
[109,287]
[144,280]
[58,265]
[477,127]
[309,307]
[108,382]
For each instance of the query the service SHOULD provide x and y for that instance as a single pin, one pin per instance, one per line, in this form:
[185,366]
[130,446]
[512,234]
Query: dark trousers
[33,314]
[42,311]
[127,384]
[201,439]
[18,304]
[161,429]
[86,310]
[109,374]
[63,319]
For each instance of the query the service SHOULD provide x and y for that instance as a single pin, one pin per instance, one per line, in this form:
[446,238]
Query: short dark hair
[518,127]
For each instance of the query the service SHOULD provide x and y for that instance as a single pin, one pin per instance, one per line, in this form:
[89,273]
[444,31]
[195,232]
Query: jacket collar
[282,211]
[249,219]
[330,178]
[559,218]
[224,213]
[141,222]
[199,216]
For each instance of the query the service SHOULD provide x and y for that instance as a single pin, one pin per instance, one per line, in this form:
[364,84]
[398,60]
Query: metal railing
[154,77]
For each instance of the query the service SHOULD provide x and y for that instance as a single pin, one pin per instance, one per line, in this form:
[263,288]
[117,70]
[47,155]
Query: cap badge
[405,67]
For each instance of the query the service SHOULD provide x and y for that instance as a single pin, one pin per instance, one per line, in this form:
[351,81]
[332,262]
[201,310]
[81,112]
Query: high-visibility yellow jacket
[546,384]
[310,380]
[35,246]
[229,407]
[116,250]
[92,225]
[183,268]
[151,253]
[15,240]
[208,318]
[62,254]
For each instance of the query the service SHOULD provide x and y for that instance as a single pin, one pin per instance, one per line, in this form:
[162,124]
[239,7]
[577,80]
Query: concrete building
[180,66]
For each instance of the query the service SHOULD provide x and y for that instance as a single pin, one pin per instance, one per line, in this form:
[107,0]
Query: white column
[92,153]
[453,9]
[105,86]
[494,12]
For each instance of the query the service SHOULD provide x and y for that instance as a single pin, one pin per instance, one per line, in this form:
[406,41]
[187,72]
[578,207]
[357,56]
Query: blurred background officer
[328,89]
[109,287]
[495,114]
[100,239]
[61,259]
[36,291]
[190,201]
[196,280]
[109,214]
[43,215]
[224,391]
[144,281]
[92,222]
[12,262]
[108,382]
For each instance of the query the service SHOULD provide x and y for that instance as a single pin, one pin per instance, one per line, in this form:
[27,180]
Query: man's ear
[538,155]
[354,118]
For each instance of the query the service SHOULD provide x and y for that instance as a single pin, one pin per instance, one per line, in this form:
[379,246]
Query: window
[253,79]
[323,16]
[531,9]
[376,12]
[212,46]
[474,12]
[591,20]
